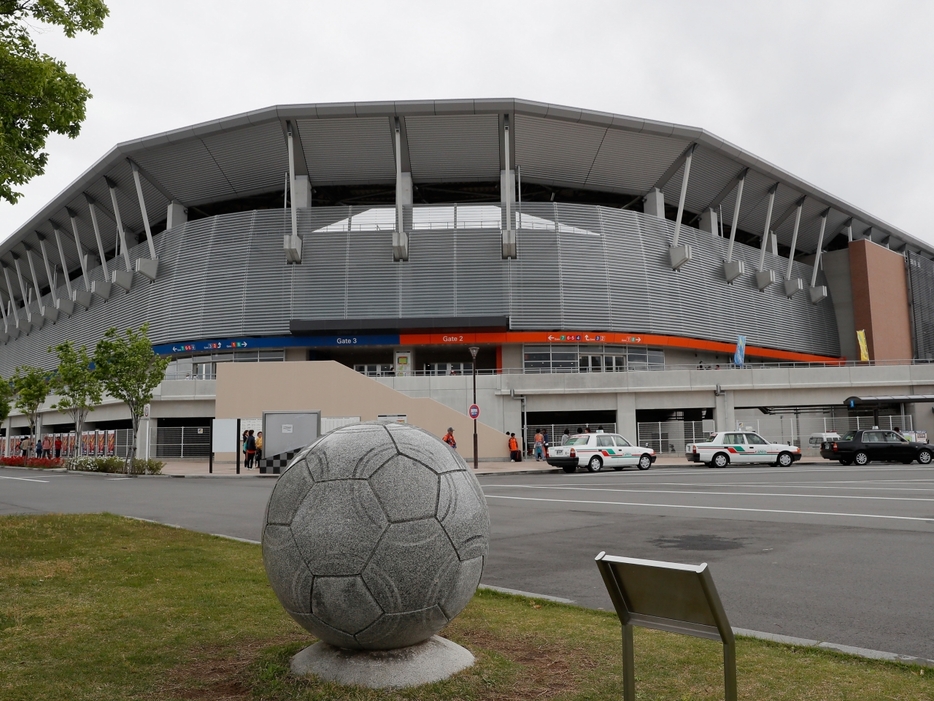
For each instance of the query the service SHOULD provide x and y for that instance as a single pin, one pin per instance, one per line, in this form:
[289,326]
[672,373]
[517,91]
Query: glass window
[578,440]
[731,438]
[892,437]
[755,439]
[872,437]
[605,441]
[622,442]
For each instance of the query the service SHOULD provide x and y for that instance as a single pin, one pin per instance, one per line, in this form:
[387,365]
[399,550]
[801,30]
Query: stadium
[352,258]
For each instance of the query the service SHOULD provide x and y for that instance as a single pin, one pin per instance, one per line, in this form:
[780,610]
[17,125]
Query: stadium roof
[442,141]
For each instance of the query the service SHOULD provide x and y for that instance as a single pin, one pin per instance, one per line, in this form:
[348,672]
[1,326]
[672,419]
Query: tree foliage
[76,382]
[38,96]
[30,389]
[6,393]
[129,371]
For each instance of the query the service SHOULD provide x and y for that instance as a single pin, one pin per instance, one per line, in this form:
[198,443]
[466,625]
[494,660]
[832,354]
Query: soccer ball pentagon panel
[375,536]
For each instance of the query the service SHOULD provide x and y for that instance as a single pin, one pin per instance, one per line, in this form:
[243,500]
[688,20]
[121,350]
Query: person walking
[250,449]
[449,438]
[259,447]
[47,446]
[539,446]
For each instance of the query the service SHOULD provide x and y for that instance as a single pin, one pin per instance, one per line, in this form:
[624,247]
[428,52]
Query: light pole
[473,354]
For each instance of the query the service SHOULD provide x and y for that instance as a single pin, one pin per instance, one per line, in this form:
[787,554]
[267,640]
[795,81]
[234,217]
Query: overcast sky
[839,93]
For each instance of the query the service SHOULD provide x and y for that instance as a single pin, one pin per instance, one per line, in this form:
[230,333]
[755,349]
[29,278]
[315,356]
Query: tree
[38,96]
[30,388]
[76,383]
[129,371]
[6,393]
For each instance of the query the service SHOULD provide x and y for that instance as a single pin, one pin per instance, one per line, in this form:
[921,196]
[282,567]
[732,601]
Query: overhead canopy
[442,141]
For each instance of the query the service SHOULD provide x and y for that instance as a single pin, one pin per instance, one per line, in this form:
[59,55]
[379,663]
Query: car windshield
[578,440]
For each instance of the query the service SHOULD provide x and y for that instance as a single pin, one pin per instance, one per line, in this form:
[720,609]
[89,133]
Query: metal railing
[182,442]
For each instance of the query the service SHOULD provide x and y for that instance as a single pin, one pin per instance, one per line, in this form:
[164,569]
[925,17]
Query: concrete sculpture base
[429,661]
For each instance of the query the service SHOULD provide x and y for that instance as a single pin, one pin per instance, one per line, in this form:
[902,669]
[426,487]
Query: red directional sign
[474,411]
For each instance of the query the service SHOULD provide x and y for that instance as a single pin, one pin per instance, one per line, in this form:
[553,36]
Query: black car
[862,447]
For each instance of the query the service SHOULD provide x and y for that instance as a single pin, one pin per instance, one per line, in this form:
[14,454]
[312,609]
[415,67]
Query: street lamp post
[473,354]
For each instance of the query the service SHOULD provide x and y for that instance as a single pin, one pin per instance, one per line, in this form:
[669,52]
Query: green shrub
[115,465]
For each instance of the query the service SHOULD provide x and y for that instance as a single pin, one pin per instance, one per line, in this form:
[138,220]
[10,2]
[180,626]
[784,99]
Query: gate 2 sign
[474,411]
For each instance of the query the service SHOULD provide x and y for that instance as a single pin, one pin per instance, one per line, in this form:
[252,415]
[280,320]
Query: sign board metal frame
[671,597]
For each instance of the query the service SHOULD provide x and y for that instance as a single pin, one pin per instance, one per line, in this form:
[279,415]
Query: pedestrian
[250,449]
[579,430]
[566,436]
[600,429]
[58,447]
[539,446]
[449,438]
[259,447]
[243,445]
[24,446]
[515,455]
[47,446]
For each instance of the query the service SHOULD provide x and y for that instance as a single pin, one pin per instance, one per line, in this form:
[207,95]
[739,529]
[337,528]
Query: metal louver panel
[633,162]
[188,171]
[452,148]
[340,151]
[254,163]
[556,152]
[580,268]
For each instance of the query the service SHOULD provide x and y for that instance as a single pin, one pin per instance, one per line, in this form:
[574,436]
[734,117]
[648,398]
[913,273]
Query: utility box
[289,431]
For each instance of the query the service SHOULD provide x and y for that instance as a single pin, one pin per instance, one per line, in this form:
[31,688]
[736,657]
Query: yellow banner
[863,348]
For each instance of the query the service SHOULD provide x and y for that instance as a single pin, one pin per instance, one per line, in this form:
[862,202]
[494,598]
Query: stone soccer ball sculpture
[375,536]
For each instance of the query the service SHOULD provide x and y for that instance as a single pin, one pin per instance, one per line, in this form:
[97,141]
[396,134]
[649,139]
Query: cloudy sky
[839,93]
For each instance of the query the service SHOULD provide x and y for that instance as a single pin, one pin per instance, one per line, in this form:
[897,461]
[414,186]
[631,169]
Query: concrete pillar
[709,223]
[654,203]
[723,413]
[176,215]
[626,416]
[302,190]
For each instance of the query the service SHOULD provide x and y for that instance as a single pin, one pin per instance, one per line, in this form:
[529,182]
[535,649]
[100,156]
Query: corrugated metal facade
[579,268]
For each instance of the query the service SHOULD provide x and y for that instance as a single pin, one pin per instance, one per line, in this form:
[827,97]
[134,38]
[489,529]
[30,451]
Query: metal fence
[182,442]
[670,437]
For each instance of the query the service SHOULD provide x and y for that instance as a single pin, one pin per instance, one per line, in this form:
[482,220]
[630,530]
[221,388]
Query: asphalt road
[824,552]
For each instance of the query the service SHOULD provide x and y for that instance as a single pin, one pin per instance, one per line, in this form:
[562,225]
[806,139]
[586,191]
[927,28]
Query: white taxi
[598,450]
[741,448]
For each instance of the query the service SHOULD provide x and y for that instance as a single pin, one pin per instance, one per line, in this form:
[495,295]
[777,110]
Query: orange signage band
[609,338]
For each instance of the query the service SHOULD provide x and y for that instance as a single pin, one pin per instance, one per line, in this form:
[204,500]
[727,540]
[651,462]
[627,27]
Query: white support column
[65,306]
[709,222]
[654,203]
[82,297]
[792,287]
[50,313]
[22,291]
[733,269]
[20,328]
[147,268]
[764,278]
[102,288]
[849,233]
[818,294]
[121,278]
[292,243]
[679,255]
[302,192]
[507,190]
[7,326]
[61,257]
[404,197]
[175,215]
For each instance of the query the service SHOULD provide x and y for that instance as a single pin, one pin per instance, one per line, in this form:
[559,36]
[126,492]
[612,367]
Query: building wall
[836,265]
[585,269]
[880,300]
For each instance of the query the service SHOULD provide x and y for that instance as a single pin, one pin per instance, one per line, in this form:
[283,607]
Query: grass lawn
[102,607]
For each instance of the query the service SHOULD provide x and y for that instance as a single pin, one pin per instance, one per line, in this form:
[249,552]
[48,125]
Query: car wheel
[784,460]
[595,464]
[861,458]
[846,461]
[924,456]
[721,460]
[570,469]
[645,462]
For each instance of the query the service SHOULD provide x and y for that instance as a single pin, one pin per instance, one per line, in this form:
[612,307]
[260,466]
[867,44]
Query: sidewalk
[199,468]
